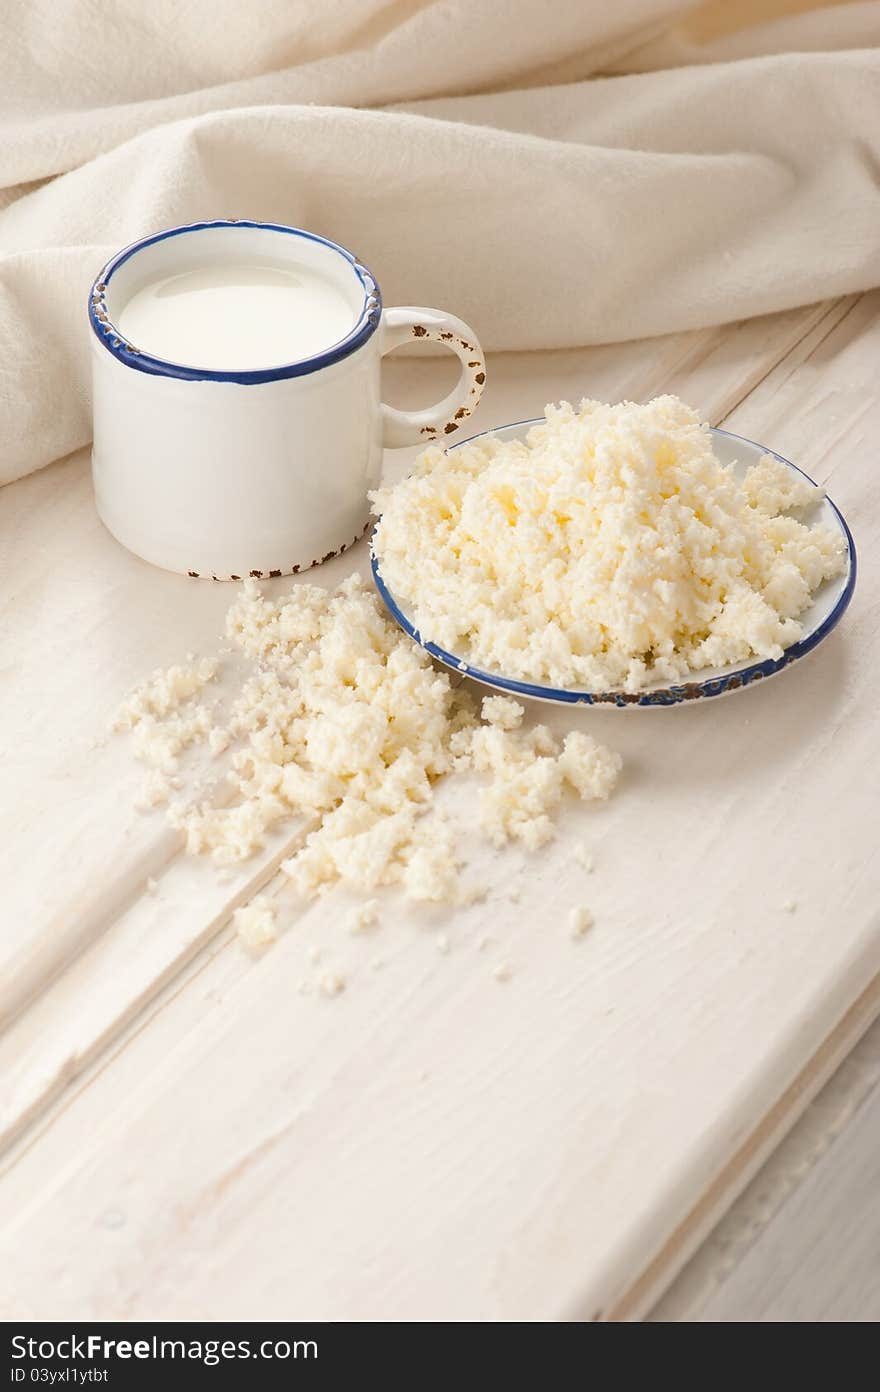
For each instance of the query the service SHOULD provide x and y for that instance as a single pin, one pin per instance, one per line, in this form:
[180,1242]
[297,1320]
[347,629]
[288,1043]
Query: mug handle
[402,325]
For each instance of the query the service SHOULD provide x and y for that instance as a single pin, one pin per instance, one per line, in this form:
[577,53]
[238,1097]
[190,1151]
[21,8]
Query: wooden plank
[435,1143]
[821,1264]
[88,941]
[717,1198]
[763,1215]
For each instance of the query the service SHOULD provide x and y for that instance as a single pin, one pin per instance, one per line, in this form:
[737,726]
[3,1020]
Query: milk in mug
[244,316]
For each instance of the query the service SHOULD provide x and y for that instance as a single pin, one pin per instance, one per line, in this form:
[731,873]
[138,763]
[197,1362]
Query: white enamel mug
[264,472]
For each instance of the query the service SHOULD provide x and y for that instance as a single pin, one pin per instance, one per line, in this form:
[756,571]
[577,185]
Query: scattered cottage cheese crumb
[255,922]
[165,692]
[164,719]
[159,740]
[502,972]
[346,725]
[532,773]
[442,943]
[580,921]
[332,984]
[218,740]
[483,943]
[152,886]
[471,894]
[314,955]
[377,963]
[431,871]
[790,905]
[364,916]
[156,788]
[584,857]
[608,550]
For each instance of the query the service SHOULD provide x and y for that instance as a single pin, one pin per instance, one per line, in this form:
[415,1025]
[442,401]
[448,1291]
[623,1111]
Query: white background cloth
[556,173]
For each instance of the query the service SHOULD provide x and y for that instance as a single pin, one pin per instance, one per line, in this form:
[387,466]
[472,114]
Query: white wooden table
[184,1135]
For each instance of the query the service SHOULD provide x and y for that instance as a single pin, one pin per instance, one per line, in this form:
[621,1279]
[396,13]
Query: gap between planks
[42,1075]
[638,1300]
[766,1216]
[801,349]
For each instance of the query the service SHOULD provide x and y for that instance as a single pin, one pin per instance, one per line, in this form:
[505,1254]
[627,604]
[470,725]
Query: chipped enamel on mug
[261,471]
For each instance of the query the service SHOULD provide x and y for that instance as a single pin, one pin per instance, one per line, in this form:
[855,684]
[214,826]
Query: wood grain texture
[823,1263]
[747,1160]
[434,1144]
[766,1226]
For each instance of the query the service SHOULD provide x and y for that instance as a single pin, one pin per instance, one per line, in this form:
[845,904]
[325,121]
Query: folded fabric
[547,213]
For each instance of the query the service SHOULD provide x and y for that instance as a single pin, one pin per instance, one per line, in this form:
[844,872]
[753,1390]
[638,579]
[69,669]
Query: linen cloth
[557,172]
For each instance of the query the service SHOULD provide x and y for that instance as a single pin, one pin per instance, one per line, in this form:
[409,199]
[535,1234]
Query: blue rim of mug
[672,695]
[110,338]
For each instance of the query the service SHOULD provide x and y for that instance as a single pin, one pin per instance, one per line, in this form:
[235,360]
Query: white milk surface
[236,317]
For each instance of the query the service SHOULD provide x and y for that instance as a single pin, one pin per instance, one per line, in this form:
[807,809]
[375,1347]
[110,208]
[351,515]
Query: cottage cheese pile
[608,551]
[343,722]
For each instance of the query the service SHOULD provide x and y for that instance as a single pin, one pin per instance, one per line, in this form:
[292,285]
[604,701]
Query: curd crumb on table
[164,718]
[583,856]
[155,789]
[218,740]
[364,916]
[469,895]
[165,692]
[580,921]
[332,984]
[255,922]
[346,727]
